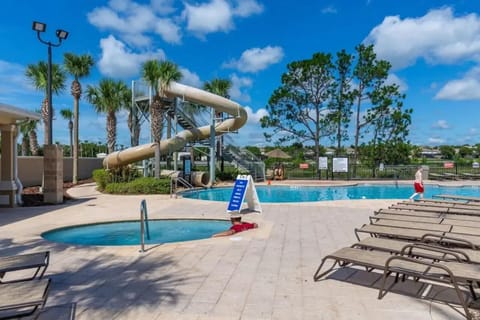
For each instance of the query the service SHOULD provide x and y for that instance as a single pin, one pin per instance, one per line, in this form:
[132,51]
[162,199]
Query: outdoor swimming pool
[128,232]
[276,194]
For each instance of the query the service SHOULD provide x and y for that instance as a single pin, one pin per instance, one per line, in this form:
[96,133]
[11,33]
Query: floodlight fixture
[62,34]
[39,26]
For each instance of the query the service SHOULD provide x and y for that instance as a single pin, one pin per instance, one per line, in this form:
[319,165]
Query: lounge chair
[444,201]
[413,225]
[396,246]
[25,298]
[413,213]
[436,176]
[418,266]
[434,220]
[414,207]
[442,227]
[452,210]
[471,176]
[443,204]
[455,197]
[37,261]
[417,235]
[422,214]
[451,176]
[455,274]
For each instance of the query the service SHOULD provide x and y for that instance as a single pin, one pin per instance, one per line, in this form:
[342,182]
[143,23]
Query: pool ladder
[143,225]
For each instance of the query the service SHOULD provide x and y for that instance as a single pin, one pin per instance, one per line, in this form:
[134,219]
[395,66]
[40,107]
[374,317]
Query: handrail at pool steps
[143,224]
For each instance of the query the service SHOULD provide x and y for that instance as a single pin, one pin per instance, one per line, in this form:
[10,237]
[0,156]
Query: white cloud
[329,9]
[437,37]
[217,15]
[208,17]
[463,89]
[441,124]
[132,21]
[394,79]
[436,140]
[168,30]
[256,59]
[467,88]
[246,8]
[254,117]
[190,78]
[12,78]
[163,7]
[237,91]
[136,23]
[251,133]
[118,61]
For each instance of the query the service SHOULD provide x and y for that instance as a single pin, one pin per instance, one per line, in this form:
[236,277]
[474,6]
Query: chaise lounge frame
[23,298]
[38,261]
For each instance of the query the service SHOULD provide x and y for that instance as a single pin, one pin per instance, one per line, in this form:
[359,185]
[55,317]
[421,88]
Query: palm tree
[38,75]
[135,110]
[159,75]
[219,87]
[28,129]
[32,137]
[78,67]
[25,142]
[24,130]
[108,98]
[67,114]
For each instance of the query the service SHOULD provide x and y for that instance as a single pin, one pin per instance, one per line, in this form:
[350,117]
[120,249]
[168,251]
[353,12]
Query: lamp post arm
[49,43]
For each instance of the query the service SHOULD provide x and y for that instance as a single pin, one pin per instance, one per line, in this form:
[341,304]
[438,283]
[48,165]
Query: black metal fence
[437,171]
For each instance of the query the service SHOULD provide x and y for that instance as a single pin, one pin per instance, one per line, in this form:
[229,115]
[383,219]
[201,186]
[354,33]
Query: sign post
[244,189]
[339,165]
[322,165]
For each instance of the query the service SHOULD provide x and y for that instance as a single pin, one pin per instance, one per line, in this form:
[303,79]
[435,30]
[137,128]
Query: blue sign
[238,195]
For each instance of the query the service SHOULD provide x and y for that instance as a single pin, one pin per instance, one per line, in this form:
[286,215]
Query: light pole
[61,35]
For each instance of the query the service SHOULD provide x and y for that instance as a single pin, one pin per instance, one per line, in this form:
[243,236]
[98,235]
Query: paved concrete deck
[264,273]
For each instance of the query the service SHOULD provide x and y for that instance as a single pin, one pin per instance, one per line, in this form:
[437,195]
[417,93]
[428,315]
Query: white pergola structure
[10,185]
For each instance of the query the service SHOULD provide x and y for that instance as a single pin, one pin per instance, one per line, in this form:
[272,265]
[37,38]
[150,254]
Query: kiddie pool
[123,233]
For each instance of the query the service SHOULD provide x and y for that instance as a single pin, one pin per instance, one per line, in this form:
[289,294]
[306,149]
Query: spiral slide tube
[176,143]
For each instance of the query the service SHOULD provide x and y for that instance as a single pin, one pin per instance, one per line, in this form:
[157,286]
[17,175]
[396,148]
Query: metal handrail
[185,183]
[143,225]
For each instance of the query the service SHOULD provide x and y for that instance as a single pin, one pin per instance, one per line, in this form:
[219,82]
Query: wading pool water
[128,232]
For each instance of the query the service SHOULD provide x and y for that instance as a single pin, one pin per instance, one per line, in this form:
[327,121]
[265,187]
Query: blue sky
[434,47]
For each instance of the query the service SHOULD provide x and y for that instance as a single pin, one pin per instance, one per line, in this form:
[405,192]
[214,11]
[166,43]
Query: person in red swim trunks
[237,226]
[418,184]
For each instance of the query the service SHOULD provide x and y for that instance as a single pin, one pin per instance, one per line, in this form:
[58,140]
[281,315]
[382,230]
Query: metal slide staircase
[246,161]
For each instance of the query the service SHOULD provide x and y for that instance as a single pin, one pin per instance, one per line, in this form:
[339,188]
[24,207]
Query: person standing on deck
[418,184]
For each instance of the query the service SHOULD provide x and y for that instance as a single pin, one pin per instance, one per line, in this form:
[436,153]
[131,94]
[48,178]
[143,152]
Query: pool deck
[264,273]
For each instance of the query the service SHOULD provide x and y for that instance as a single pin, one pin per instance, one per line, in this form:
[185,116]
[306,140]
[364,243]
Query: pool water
[276,194]
[128,232]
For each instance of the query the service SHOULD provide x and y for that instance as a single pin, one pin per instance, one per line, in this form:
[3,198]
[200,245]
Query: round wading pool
[128,232]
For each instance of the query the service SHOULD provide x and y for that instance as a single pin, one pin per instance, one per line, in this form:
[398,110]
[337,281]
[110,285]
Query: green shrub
[104,177]
[124,174]
[140,186]
[226,175]
[101,178]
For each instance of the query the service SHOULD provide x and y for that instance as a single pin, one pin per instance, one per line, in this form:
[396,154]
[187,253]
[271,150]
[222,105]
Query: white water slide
[176,143]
